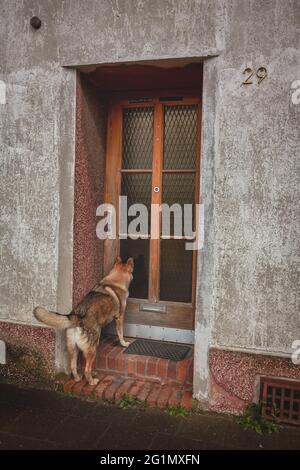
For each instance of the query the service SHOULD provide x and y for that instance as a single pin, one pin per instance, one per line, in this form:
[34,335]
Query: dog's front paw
[94,381]
[125,344]
[77,378]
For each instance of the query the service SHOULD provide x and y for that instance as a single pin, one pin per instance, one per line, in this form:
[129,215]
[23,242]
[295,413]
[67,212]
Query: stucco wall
[248,283]
[257,180]
[247,288]
[37,159]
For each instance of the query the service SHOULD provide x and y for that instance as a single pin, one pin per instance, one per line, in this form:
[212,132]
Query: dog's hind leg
[73,353]
[90,356]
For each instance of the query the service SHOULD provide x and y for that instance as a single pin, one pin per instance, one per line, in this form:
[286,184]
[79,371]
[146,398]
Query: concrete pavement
[42,419]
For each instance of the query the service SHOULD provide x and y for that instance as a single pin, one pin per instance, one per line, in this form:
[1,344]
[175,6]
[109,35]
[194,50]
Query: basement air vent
[280,400]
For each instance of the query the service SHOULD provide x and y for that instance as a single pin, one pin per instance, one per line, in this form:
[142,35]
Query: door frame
[112,191]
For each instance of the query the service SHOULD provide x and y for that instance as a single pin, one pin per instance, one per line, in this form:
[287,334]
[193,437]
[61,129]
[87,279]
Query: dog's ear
[130,263]
[118,260]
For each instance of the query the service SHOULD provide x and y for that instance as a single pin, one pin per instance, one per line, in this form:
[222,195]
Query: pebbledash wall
[247,315]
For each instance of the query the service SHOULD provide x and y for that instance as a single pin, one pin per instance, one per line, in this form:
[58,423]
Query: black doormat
[171,351]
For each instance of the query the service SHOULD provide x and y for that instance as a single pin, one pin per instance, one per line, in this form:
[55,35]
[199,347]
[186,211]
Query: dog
[105,302]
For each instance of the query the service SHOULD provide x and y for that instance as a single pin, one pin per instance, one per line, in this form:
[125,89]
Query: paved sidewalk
[40,419]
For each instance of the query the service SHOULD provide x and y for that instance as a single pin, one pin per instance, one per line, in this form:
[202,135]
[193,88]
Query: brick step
[113,388]
[112,359]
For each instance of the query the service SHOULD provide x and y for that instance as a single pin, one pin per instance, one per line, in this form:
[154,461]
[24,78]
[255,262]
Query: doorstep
[152,380]
[111,358]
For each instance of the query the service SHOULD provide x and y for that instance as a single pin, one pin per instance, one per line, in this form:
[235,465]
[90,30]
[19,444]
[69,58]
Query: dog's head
[123,271]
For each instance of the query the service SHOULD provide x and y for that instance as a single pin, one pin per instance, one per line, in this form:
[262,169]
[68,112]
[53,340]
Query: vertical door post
[156,201]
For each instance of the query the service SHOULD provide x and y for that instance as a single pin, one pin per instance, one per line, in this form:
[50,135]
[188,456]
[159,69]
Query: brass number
[261,74]
[247,81]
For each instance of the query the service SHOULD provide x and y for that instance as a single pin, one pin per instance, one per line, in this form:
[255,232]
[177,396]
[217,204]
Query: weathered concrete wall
[256,180]
[247,290]
[94,31]
[37,160]
[37,142]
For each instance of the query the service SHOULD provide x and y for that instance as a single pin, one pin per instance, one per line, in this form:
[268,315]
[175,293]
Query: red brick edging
[114,387]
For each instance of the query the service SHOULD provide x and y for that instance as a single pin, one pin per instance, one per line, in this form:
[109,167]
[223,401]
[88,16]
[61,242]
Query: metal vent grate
[280,400]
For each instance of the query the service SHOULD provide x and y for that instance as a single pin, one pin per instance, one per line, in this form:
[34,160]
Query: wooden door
[153,156]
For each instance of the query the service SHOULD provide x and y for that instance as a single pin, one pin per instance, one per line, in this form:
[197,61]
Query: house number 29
[260,73]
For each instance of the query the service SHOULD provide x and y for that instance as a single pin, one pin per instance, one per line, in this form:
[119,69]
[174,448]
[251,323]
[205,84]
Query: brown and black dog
[105,302]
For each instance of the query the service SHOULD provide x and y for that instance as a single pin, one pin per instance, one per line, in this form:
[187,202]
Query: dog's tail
[56,320]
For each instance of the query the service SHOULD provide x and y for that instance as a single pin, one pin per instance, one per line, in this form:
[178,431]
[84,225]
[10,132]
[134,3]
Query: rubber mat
[171,351]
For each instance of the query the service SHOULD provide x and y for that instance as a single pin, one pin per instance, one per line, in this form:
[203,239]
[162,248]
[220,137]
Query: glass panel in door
[136,179]
[178,187]
[177,173]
